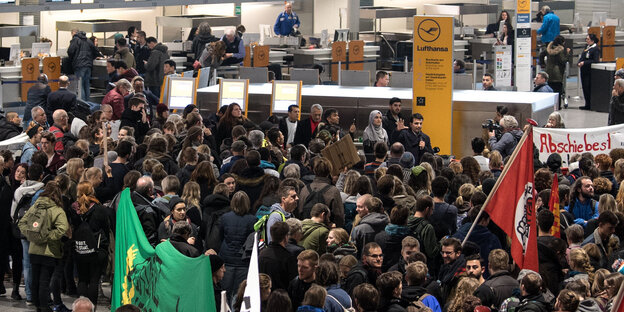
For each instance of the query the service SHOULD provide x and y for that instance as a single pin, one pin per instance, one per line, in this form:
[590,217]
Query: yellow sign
[234,91]
[433,77]
[524,7]
[285,93]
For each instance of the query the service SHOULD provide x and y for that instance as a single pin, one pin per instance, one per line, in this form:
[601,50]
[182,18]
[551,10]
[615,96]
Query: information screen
[233,91]
[285,93]
[181,92]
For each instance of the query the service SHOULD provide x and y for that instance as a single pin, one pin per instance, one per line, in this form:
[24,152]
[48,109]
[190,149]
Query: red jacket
[58,134]
[115,99]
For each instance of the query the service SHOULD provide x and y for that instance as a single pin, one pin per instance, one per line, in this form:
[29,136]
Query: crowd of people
[383,235]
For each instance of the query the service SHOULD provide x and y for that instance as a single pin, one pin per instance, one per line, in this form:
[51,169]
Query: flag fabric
[618,304]
[160,279]
[553,205]
[251,298]
[224,305]
[511,205]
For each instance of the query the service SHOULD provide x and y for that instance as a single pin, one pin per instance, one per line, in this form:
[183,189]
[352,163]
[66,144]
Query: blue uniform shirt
[284,23]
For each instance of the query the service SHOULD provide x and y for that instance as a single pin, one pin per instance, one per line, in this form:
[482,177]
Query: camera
[492,125]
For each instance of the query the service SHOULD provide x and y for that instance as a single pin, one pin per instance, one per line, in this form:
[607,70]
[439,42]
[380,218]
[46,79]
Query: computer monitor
[234,91]
[38,48]
[181,92]
[285,93]
[341,35]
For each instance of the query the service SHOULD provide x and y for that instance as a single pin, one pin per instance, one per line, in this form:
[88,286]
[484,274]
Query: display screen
[181,92]
[7,1]
[284,95]
[233,91]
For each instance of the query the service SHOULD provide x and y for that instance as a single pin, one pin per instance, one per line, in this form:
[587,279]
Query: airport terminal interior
[481,41]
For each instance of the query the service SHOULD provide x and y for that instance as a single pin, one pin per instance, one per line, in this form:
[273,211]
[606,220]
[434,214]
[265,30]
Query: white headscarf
[375,133]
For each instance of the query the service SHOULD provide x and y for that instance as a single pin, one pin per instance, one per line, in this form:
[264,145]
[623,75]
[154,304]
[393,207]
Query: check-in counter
[470,108]
[11,77]
[601,86]
[308,57]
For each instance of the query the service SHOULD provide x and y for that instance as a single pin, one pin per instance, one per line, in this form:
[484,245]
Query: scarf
[375,133]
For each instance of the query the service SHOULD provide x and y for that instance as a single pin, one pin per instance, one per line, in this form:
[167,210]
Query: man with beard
[393,116]
[316,229]
[582,206]
[412,137]
[453,267]
[474,268]
[367,270]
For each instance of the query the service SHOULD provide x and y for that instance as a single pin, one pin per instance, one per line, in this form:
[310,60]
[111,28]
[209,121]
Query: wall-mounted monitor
[341,35]
[234,91]
[181,92]
[285,93]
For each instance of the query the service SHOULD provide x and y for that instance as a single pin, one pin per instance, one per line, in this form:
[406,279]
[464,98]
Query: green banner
[160,279]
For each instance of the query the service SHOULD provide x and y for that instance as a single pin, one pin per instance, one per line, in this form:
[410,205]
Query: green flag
[160,279]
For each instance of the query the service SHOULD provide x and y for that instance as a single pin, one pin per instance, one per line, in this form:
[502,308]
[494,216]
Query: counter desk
[470,108]
[309,57]
[601,86]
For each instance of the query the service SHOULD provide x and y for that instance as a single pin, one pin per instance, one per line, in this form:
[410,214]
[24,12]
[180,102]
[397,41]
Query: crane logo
[429,30]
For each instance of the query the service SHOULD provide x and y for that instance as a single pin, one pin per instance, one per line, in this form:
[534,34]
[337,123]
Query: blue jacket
[550,27]
[340,302]
[27,151]
[227,164]
[481,236]
[284,23]
[583,211]
[234,231]
[543,88]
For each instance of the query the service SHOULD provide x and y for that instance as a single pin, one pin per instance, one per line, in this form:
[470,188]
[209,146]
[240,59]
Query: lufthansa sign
[433,77]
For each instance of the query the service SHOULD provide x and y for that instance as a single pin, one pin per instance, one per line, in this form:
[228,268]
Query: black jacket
[389,124]
[550,262]
[214,206]
[534,303]
[235,229]
[133,119]
[296,291]
[184,175]
[393,305]
[283,126]
[359,274]
[60,99]
[411,142]
[38,95]
[251,182]
[98,218]
[390,242]
[82,51]
[303,134]
[278,263]
[498,287]
[141,54]
[199,44]
[171,167]
[147,216]
[444,219]
[8,129]
[183,246]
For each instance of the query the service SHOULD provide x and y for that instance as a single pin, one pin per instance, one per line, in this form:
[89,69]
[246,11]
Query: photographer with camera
[510,138]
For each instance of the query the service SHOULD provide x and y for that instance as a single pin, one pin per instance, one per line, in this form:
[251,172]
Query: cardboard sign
[356,54]
[341,154]
[433,77]
[339,54]
[30,72]
[52,68]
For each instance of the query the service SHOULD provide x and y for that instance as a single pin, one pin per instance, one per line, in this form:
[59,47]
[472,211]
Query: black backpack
[22,206]
[86,241]
[314,197]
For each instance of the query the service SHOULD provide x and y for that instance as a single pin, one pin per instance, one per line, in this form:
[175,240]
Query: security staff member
[286,21]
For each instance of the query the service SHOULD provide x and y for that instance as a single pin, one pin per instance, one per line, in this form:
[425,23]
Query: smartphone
[353,122]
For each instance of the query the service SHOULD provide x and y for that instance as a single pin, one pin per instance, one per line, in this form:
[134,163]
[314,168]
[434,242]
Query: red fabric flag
[511,204]
[553,205]
[618,304]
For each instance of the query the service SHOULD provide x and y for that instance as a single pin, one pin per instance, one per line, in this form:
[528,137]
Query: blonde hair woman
[465,288]
[75,169]
[191,196]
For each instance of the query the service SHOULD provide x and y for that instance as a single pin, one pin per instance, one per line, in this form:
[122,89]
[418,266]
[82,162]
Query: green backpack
[260,225]
[35,226]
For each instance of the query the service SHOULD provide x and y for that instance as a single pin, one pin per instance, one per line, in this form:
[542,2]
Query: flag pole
[499,180]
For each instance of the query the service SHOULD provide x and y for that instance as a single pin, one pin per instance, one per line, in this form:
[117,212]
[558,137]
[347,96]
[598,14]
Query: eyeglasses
[376,256]
[446,253]
[474,267]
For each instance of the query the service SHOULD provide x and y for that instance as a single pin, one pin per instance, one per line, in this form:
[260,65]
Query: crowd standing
[383,235]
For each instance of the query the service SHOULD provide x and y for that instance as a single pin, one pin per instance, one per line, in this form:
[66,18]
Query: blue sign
[523,18]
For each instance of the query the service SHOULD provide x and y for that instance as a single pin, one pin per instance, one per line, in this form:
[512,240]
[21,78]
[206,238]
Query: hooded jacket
[134,119]
[82,51]
[365,231]
[314,236]
[214,206]
[251,181]
[588,305]
[8,129]
[507,142]
[498,287]
[415,293]
[332,199]
[57,220]
[127,56]
[154,71]
[425,233]
[390,242]
[199,43]
[29,187]
[534,303]
[481,236]
[555,63]
[275,217]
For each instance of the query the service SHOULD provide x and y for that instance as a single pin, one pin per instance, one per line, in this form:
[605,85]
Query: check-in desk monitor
[234,91]
[285,93]
[181,92]
[341,35]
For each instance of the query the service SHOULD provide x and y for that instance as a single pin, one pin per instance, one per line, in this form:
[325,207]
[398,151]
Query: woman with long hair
[268,195]
[234,227]
[75,170]
[204,176]
[554,119]
[91,260]
[102,184]
[202,39]
[580,268]
[191,194]
[233,116]
[19,175]
[466,287]
[44,255]
[555,66]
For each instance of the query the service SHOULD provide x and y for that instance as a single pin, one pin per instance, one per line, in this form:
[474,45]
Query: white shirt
[484,163]
[292,127]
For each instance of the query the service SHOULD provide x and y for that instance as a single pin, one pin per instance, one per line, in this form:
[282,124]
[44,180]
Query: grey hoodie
[588,305]
[365,231]
[28,188]
[275,217]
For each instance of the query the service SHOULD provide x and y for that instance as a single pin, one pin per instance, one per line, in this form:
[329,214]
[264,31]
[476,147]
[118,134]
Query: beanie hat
[554,162]
[33,130]
[488,185]
[417,170]
[174,201]
[215,263]
[407,160]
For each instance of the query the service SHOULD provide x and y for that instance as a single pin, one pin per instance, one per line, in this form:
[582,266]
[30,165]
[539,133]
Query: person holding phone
[136,117]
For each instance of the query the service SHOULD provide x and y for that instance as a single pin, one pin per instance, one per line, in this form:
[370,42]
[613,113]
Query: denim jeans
[27,269]
[84,73]
[232,278]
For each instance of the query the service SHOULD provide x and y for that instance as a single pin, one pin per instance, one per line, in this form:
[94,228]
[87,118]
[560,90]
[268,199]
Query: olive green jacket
[59,225]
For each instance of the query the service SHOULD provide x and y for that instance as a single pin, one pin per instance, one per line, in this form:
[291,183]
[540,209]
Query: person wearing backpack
[44,224]
[424,232]
[90,236]
[415,291]
[322,191]
[281,211]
